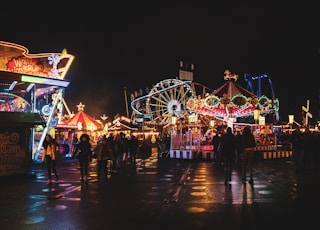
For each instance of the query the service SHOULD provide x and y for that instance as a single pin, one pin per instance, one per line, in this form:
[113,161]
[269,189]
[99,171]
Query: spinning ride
[173,97]
[231,101]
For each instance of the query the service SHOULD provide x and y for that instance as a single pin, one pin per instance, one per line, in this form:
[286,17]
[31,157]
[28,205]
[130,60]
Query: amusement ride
[182,98]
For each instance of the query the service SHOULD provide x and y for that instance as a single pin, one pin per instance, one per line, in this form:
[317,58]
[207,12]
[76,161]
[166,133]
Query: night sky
[138,45]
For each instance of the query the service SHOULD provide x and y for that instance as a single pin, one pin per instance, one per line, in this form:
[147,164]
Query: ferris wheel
[167,98]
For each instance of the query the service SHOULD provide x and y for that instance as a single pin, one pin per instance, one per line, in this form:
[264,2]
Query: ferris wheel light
[291,118]
[173,120]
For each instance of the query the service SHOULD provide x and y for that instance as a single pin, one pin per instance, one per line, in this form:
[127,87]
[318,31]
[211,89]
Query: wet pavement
[163,194]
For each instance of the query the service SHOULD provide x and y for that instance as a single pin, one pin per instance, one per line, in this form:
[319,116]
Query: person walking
[216,142]
[238,135]
[133,149]
[51,148]
[118,149]
[125,150]
[248,143]
[144,151]
[103,153]
[228,152]
[83,153]
[298,149]
[74,145]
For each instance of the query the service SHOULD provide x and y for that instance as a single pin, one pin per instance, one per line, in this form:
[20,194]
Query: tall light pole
[126,100]
[256,115]
[291,120]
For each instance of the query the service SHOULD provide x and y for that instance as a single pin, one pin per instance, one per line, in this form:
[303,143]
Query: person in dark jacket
[144,151]
[133,149]
[103,153]
[228,152]
[248,144]
[83,152]
[298,141]
[216,142]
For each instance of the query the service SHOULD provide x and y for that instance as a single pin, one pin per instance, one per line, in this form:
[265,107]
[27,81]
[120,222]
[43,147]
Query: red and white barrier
[181,154]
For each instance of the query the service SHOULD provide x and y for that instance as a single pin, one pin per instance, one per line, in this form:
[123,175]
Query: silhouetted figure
[103,153]
[248,143]
[228,152]
[133,149]
[238,148]
[83,153]
[216,142]
[144,150]
[298,147]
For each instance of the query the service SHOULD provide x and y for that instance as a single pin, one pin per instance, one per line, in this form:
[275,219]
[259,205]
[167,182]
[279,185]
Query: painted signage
[13,149]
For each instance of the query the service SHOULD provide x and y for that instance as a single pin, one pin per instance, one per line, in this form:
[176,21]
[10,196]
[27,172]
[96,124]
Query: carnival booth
[122,124]
[33,83]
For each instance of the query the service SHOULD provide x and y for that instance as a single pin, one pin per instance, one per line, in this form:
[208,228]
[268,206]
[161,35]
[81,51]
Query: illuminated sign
[45,81]
[16,59]
[266,129]
[26,65]
[193,118]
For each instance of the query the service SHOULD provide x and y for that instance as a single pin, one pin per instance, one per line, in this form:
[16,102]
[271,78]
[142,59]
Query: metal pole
[126,101]
[33,109]
[45,130]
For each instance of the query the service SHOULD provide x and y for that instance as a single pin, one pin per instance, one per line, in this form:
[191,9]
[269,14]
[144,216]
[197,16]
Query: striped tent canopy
[81,118]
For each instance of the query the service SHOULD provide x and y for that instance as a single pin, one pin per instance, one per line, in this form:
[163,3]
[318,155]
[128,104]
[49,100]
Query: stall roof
[21,118]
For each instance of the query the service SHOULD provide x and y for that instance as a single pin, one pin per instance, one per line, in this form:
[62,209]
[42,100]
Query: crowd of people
[238,148]
[305,148]
[122,151]
[235,148]
[231,149]
[117,151]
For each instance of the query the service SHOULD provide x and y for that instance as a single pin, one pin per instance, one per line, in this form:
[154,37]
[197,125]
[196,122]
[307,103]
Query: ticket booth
[15,141]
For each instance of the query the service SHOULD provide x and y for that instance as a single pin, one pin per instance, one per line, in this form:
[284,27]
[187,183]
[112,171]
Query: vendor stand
[188,140]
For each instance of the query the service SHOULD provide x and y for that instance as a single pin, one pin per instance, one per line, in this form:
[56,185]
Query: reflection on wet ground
[157,189]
